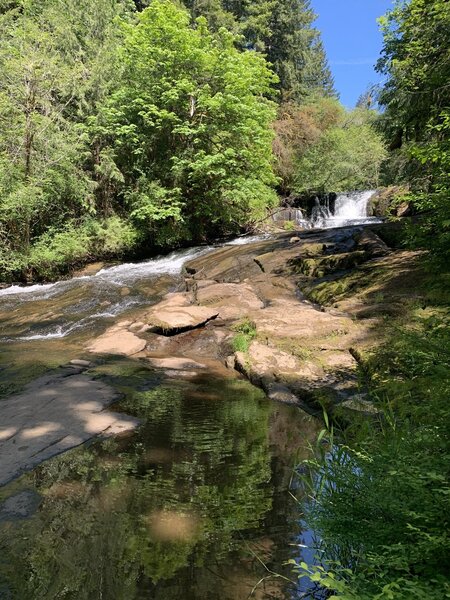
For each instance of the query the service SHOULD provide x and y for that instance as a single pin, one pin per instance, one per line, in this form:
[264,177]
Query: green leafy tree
[320,147]
[56,67]
[416,118]
[415,58]
[190,127]
[40,148]
[283,31]
[297,129]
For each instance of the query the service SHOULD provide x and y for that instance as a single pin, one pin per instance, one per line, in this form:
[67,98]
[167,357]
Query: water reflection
[189,507]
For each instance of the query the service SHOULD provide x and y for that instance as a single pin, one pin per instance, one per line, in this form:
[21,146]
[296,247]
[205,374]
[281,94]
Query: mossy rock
[386,201]
[324,265]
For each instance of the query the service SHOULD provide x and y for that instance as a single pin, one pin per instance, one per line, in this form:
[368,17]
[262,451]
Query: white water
[120,275]
[84,301]
[240,241]
[12,290]
[349,209]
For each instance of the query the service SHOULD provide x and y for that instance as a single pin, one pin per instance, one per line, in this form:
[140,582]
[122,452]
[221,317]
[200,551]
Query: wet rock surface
[20,506]
[117,340]
[300,348]
[309,325]
[54,413]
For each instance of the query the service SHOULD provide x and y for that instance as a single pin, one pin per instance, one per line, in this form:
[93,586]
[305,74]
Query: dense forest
[124,128]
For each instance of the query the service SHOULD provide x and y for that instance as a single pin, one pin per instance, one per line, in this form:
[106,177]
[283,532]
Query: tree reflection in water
[188,507]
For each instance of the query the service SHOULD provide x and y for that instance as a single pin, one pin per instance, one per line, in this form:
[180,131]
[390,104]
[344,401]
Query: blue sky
[352,41]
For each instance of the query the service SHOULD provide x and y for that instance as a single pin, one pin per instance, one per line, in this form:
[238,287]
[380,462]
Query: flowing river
[195,504]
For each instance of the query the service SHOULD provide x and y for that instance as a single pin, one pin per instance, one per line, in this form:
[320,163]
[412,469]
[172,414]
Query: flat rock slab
[175,363]
[174,319]
[287,318]
[117,340]
[231,299]
[53,414]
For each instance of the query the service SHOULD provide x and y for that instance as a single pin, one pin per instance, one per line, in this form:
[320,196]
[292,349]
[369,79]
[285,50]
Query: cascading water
[56,310]
[348,209]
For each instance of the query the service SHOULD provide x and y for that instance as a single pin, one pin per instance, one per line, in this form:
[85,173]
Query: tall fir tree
[281,29]
[296,52]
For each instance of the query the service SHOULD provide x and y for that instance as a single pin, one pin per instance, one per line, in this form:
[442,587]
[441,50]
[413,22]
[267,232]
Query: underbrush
[57,252]
[245,333]
[380,495]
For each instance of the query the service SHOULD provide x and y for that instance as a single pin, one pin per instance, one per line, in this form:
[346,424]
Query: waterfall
[348,208]
[352,205]
[321,212]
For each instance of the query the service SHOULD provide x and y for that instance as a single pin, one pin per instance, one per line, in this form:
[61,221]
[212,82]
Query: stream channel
[188,506]
[195,504]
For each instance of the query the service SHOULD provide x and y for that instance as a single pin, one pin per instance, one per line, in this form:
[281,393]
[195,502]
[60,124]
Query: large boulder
[176,319]
[265,364]
[369,242]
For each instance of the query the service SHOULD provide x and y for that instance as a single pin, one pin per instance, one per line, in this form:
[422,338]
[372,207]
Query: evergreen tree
[296,52]
[283,31]
[215,12]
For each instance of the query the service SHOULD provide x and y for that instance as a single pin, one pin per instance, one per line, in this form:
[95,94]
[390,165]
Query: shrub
[245,333]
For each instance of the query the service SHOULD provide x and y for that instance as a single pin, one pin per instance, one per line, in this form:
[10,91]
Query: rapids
[349,208]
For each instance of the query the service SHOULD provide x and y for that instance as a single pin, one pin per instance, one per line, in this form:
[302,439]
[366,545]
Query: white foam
[240,241]
[31,289]
[123,274]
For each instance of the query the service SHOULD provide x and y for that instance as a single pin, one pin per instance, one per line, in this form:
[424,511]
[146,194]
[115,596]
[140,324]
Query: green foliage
[56,249]
[415,59]
[139,131]
[381,495]
[298,128]
[432,198]
[283,31]
[190,125]
[416,116]
[346,155]
[290,225]
[245,333]
[113,236]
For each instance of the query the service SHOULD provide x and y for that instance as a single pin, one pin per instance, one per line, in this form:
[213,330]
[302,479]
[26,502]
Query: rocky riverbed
[311,305]
[314,301]
[134,444]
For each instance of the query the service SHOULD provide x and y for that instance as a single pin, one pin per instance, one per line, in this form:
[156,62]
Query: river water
[348,209]
[194,505]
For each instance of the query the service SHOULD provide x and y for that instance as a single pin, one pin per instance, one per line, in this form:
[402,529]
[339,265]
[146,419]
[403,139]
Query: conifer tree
[296,52]
[282,30]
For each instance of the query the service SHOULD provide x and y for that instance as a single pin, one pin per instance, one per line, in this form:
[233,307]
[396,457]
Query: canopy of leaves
[151,123]
[416,59]
[189,125]
[283,31]
[322,148]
